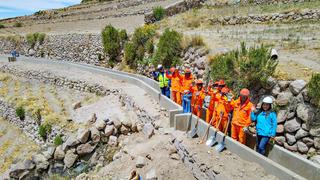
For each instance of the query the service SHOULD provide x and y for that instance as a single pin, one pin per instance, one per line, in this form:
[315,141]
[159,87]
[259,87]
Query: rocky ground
[151,151]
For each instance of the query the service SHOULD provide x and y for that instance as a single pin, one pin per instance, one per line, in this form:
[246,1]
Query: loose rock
[70,158]
[302,147]
[85,149]
[297,86]
[292,125]
[100,124]
[148,130]
[83,135]
[77,105]
[113,141]
[290,139]
[59,153]
[95,134]
[108,130]
[140,162]
[40,161]
[301,133]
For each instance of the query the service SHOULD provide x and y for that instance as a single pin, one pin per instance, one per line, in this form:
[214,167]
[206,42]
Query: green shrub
[247,67]
[20,112]
[57,140]
[130,54]
[159,13]
[169,48]
[2,26]
[35,37]
[44,130]
[123,36]
[149,46]
[136,48]
[111,42]
[313,88]
[18,24]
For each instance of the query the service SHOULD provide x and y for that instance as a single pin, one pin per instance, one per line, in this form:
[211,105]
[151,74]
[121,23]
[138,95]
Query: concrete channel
[280,162]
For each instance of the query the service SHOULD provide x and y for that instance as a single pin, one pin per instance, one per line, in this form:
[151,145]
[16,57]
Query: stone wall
[256,2]
[178,7]
[291,16]
[298,127]
[85,48]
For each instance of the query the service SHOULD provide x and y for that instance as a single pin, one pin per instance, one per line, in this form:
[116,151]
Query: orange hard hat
[172,69]
[187,70]
[221,82]
[216,83]
[244,92]
[199,81]
[225,90]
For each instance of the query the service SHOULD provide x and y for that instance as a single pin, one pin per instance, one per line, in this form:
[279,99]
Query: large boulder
[148,130]
[22,168]
[290,139]
[41,162]
[83,135]
[282,116]
[315,132]
[85,149]
[100,124]
[108,131]
[302,147]
[301,134]
[305,112]
[284,98]
[280,129]
[308,141]
[95,134]
[297,86]
[280,140]
[316,141]
[292,125]
[70,158]
[59,153]
[293,148]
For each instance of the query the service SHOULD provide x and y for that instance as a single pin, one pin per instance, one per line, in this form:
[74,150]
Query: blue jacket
[266,125]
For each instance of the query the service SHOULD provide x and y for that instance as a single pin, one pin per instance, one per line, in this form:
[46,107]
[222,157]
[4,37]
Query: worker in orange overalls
[215,97]
[198,94]
[176,79]
[222,110]
[186,81]
[242,108]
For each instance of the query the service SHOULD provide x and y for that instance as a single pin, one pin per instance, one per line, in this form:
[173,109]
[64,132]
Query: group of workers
[221,107]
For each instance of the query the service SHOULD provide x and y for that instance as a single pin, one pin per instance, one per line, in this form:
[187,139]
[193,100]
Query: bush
[140,43]
[247,67]
[35,37]
[44,130]
[18,24]
[149,46]
[57,140]
[192,41]
[123,35]
[169,48]
[111,43]
[2,26]
[313,88]
[20,112]
[159,13]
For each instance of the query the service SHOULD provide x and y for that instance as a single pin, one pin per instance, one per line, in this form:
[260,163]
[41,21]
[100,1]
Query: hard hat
[172,69]
[221,83]
[159,66]
[187,70]
[267,100]
[199,81]
[244,92]
[225,90]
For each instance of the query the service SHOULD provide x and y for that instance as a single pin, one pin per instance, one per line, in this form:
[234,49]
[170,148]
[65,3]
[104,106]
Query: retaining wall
[306,168]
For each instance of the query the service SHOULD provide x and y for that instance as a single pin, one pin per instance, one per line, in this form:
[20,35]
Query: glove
[245,129]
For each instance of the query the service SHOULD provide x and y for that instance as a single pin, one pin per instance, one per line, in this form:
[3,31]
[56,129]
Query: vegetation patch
[159,13]
[17,24]
[247,67]
[32,39]
[313,88]
[20,112]
[44,130]
[57,140]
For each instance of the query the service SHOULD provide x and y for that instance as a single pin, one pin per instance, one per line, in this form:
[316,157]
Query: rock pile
[244,2]
[290,16]
[298,117]
[75,148]
[196,60]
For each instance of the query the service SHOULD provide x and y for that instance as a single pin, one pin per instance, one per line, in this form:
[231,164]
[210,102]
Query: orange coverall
[197,100]
[215,96]
[241,119]
[176,86]
[224,108]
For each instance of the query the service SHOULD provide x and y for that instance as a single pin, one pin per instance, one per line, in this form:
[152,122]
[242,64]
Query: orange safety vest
[199,98]
[223,106]
[186,83]
[241,113]
[175,81]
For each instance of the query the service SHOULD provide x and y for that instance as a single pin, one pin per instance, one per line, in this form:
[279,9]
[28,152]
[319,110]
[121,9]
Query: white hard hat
[159,66]
[267,100]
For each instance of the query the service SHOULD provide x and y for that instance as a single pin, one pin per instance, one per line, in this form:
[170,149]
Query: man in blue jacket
[266,124]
